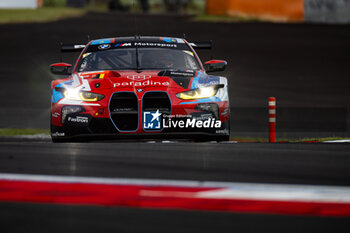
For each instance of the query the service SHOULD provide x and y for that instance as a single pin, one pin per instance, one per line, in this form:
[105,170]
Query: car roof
[154,39]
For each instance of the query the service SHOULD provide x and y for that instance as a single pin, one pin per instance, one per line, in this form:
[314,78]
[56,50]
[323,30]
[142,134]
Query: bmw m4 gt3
[139,87]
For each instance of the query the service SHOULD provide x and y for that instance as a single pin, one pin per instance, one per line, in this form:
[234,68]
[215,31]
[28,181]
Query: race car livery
[139,87]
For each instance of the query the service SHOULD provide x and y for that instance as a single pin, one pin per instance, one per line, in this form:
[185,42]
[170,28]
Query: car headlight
[76,94]
[199,93]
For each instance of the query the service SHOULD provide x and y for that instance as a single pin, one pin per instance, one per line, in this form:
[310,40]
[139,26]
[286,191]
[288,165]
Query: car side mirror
[215,65]
[61,68]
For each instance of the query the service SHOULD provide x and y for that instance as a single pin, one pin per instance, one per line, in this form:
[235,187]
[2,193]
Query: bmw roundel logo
[139,90]
[104,46]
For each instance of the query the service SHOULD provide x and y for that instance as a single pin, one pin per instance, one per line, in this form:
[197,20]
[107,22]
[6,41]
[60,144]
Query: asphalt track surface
[305,66]
[322,164]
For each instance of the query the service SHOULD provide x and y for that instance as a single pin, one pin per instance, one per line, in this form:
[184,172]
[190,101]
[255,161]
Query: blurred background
[295,50]
[327,11]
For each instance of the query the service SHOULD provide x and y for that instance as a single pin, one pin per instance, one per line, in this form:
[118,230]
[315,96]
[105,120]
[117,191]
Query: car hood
[143,79]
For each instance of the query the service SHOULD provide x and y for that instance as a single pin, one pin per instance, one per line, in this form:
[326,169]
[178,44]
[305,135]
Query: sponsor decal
[140,84]
[168,40]
[171,44]
[104,46]
[222,131]
[146,44]
[123,45]
[122,109]
[138,77]
[79,46]
[151,120]
[101,42]
[180,41]
[177,73]
[58,134]
[97,85]
[79,119]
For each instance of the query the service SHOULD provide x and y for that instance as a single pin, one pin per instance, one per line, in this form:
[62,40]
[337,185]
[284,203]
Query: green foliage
[223,18]
[16,132]
[44,14]
[55,3]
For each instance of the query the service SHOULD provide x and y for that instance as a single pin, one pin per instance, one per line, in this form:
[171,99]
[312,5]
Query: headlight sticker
[200,93]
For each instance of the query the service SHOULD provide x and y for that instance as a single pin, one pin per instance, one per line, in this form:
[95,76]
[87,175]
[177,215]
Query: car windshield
[149,59]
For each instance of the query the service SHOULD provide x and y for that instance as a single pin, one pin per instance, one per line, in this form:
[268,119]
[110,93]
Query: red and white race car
[139,87]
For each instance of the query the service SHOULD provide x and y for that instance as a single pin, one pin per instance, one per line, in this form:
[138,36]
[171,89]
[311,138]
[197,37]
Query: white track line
[338,141]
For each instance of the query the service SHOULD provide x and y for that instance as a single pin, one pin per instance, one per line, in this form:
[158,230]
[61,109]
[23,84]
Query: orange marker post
[272,119]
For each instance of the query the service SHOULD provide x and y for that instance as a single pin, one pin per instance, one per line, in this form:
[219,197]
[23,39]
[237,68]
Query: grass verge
[16,132]
[44,14]
[223,18]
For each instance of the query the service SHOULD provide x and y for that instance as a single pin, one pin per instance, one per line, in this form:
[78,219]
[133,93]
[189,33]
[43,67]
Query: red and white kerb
[272,119]
[312,200]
